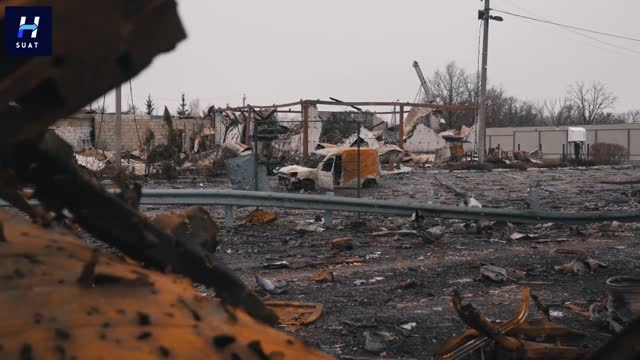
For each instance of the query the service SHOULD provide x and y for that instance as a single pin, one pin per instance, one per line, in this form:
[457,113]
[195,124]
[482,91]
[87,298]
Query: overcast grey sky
[283,50]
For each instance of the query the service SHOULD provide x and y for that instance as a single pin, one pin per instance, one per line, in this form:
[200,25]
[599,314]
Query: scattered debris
[375,255]
[580,266]
[494,273]
[433,234]
[516,274]
[461,281]
[324,276]
[259,217]
[409,326]
[577,309]
[273,263]
[342,244]
[569,251]
[355,261]
[311,228]
[377,341]
[575,267]
[293,314]
[519,236]
[395,232]
[270,287]
[409,284]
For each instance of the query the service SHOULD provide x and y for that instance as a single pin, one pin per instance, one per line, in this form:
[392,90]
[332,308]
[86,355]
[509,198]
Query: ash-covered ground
[407,280]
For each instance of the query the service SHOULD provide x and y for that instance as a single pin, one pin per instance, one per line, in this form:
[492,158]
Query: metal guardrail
[231,198]
[329,203]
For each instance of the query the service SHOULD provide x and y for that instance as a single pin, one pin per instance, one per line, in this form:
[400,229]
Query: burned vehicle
[338,170]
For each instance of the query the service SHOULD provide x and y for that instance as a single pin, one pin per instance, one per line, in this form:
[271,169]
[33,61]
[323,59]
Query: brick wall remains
[105,130]
[77,131]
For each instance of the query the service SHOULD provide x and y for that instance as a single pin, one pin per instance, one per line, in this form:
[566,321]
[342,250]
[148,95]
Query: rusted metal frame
[401,128]
[390,103]
[274,106]
[305,131]
[247,133]
[112,221]
[484,340]
[361,103]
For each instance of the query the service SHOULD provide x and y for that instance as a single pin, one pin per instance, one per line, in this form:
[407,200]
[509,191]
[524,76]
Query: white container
[577,134]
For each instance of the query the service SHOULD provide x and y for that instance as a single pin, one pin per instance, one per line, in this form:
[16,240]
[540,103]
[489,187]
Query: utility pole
[118,129]
[482,117]
[485,16]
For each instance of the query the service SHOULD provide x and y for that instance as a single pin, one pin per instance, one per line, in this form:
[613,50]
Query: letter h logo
[28,30]
[28,27]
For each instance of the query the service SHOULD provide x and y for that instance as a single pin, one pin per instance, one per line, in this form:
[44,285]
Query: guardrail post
[328,214]
[228,216]
[431,197]
[534,198]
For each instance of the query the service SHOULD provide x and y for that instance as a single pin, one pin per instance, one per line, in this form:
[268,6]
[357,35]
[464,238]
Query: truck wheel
[308,185]
[369,183]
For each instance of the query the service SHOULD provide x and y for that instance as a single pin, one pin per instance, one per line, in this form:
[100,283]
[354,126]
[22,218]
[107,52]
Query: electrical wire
[570,29]
[104,98]
[567,26]
[133,108]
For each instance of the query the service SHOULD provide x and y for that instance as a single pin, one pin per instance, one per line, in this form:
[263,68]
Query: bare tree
[591,101]
[194,107]
[631,116]
[453,86]
[132,110]
[558,112]
[504,111]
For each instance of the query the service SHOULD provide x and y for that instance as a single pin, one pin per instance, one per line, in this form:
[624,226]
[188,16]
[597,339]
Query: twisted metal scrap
[484,340]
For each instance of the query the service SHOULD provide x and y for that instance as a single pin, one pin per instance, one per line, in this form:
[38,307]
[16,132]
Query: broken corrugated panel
[242,174]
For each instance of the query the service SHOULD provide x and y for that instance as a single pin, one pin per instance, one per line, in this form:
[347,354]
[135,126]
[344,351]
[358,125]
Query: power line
[570,29]
[567,26]
[133,109]
[531,13]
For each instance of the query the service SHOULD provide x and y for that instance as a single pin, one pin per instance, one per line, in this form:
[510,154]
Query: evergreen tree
[149,105]
[183,109]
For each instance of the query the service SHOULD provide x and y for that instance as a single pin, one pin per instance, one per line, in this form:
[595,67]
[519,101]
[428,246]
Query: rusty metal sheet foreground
[61,299]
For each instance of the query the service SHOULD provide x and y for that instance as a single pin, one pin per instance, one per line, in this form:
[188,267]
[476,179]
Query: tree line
[583,104]
[184,109]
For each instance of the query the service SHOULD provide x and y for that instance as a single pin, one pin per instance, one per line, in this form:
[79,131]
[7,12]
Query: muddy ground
[405,280]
